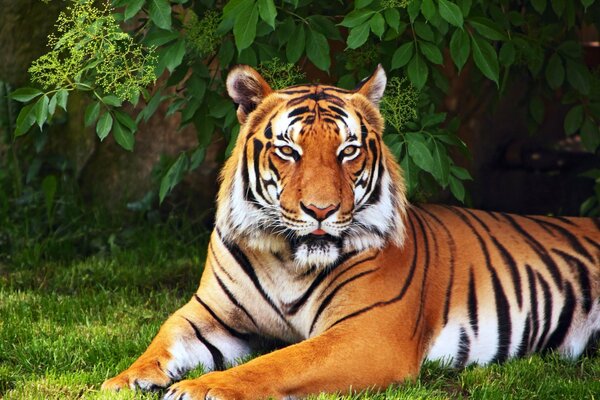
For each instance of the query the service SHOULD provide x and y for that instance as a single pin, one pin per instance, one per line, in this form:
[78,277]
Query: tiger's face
[310,174]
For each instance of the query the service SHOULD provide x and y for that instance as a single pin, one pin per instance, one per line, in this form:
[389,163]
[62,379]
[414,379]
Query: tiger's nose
[319,213]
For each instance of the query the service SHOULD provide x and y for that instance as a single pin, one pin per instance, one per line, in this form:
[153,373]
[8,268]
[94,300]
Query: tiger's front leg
[343,358]
[193,335]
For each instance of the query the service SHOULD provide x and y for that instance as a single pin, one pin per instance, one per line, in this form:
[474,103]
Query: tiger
[316,246]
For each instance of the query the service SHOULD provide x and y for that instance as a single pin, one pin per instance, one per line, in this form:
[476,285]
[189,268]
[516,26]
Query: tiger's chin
[316,252]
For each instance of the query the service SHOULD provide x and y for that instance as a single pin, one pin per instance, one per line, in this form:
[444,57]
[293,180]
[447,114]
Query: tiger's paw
[213,386]
[148,376]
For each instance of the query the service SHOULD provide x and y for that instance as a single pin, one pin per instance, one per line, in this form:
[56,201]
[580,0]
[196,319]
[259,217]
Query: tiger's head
[310,175]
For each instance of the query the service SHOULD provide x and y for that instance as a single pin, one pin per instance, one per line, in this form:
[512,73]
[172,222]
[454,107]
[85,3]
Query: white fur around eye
[351,156]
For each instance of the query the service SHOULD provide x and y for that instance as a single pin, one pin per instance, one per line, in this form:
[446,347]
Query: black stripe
[578,268]
[331,295]
[473,315]
[533,302]
[464,347]
[232,331]
[349,267]
[547,312]
[502,305]
[269,131]
[338,111]
[512,267]
[219,364]
[523,346]
[425,270]
[298,111]
[403,290]
[452,246]
[571,238]
[564,320]
[247,267]
[539,249]
[226,290]
[593,243]
[475,217]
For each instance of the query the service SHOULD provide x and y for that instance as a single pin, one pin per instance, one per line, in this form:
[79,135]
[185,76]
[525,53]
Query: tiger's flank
[315,245]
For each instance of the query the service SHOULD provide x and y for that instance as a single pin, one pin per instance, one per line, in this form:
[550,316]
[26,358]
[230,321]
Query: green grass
[66,325]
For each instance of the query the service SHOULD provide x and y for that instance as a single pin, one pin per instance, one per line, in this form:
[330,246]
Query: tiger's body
[315,245]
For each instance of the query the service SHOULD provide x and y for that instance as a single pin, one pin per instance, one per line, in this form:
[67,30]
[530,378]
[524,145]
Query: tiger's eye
[350,150]
[286,150]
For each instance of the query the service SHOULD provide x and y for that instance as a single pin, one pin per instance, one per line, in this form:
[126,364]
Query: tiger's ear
[374,86]
[247,89]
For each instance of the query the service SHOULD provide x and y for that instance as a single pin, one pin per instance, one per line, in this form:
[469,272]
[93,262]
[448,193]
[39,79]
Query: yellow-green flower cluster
[279,74]
[395,3]
[90,49]
[399,104]
[367,54]
[202,36]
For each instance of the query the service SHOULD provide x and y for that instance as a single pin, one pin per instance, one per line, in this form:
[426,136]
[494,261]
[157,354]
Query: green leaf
[25,94]
[536,108]
[52,105]
[123,136]
[451,13]
[356,18]
[573,119]
[104,125]
[428,9]
[587,3]
[555,72]
[457,189]
[460,173]
[590,134]
[112,100]
[441,164]
[485,58]
[417,71]
[40,110]
[267,11]
[539,5]
[244,28]
[507,54]
[420,154]
[25,120]
[559,7]
[295,45]
[160,13]
[234,8]
[431,52]
[91,113]
[578,76]
[61,98]
[424,31]
[324,25]
[487,28]
[432,120]
[317,50]
[570,49]
[377,24]
[158,37]
[465,6]
[460,47]
[126,120]
[402,55]
[358,36]
[49,185]
[174,55]
[413,9]
[173,176]
[410,173]
[362,3]
[133,7]
[392,17]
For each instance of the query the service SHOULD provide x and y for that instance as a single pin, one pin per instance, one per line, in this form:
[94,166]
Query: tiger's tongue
[319,232]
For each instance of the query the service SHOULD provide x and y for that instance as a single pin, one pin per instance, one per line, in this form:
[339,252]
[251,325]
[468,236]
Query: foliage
[420,42]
